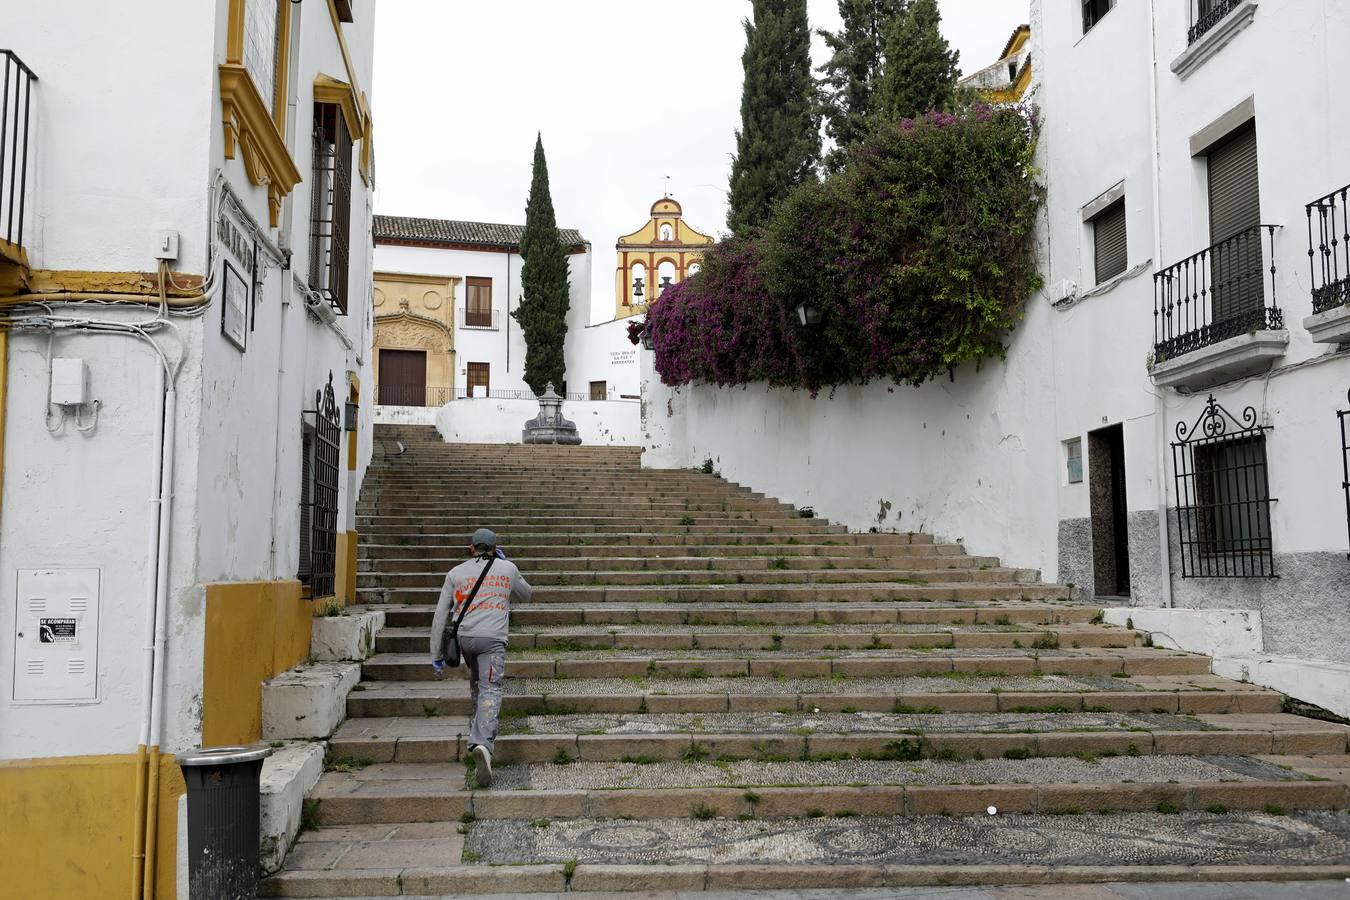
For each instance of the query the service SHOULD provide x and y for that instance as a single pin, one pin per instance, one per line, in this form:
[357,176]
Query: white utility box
[56,636]
[70,382]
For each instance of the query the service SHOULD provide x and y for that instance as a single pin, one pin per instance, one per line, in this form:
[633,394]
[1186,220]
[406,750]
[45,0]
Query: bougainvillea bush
[919,256]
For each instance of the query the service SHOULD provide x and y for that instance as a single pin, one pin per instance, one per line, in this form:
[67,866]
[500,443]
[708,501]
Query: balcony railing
[1217,294]
[1208,14]
[479,318]
[16,109]
[1329,250]
[412,395]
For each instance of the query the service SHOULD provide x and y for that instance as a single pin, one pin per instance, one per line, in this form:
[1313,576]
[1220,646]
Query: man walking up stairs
[710,691]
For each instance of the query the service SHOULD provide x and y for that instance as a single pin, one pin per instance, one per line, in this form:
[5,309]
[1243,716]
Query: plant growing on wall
[542,313]
[918,257]
[778,144]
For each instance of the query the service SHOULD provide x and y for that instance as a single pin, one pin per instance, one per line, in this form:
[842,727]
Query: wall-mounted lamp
[810,315]
[351,412]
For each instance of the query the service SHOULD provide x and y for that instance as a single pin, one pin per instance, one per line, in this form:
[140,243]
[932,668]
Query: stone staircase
[711,692]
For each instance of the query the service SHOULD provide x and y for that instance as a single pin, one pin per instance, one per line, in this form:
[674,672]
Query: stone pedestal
[549,427]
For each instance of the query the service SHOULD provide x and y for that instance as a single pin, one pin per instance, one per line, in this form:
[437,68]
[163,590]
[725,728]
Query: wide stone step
[534,564]
[604,546]
[453,542]
[833,736]
[777,575]
[450,531]
[759,614]
[761,593]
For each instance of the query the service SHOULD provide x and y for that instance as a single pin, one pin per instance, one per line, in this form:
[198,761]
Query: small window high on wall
[1094,11]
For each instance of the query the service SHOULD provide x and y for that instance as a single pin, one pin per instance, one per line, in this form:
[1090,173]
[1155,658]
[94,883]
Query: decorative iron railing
[1218,293]
[1329,250]
[465,394]
[1344,416]
[319,493]
[1223,496]
[394,394]
[16,110]
[1208,14]
[479,318]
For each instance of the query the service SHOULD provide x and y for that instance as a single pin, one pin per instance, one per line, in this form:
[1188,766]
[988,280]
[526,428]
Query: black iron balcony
[1217,294]
[1329,250]
[1208,14]
[16,109]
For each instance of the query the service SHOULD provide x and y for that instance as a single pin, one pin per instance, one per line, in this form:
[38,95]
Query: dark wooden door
[403,378]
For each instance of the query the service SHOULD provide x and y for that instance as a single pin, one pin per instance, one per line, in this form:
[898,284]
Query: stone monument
[549,427]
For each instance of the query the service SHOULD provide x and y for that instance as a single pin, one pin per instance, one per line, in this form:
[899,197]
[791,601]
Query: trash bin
[222,821]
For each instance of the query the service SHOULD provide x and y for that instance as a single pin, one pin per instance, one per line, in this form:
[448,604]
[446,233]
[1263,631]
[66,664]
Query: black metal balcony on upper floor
[1217,294]
[1209,13]
[1329,250]
[16,111]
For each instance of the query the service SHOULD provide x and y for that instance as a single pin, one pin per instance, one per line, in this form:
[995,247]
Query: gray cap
[485,538]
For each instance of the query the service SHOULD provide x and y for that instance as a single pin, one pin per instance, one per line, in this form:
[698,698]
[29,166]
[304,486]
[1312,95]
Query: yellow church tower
[662,252]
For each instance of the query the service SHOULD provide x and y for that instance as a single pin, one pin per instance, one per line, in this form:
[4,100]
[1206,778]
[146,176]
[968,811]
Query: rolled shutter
[1236,287]
[1112,250]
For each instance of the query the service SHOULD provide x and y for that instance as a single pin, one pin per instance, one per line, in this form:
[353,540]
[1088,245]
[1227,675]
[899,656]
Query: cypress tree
[778,144]
[921,68]
[542,313]
[853,72]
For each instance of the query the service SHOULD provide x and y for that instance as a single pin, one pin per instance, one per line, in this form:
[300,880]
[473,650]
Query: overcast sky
[625,92]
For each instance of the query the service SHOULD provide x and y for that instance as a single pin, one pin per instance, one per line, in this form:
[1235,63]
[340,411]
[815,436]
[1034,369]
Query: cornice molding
[251,131]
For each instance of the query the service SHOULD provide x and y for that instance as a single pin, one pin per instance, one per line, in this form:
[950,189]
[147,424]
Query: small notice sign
[622,357]
[56,631]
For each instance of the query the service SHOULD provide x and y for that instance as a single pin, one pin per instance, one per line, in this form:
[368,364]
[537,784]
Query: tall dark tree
[921,68]
[778,144]
[542,313]
[853,72]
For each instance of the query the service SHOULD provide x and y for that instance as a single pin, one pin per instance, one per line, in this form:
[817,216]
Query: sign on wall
[622,357]
[234,307]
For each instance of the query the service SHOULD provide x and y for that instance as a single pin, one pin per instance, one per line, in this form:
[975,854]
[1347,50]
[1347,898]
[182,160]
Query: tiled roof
[449,231]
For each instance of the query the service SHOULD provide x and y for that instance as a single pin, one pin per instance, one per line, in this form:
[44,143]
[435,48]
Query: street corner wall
[254,630]
[67,826]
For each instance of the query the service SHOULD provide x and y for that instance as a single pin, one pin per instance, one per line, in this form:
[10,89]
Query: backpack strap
[454,629]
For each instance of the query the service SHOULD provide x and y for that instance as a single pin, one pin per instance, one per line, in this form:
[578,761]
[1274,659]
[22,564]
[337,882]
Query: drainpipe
[1159,401]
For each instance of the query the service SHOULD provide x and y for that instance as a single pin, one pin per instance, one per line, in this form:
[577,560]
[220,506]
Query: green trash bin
[223,821]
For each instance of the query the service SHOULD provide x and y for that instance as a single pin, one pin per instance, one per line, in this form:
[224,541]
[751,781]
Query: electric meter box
[70,382]
[56,636]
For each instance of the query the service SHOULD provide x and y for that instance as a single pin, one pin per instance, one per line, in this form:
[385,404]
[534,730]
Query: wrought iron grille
[1218,293]
[1329,250]
[319,493]
[1208,14]
[16,109]
[1344,416]
[464,393]
[395,394]
[330,205]
[1223,496]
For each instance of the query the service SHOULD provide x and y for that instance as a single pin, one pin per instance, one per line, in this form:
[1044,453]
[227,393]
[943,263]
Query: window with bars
[1093,11]
[1207,14]
[320,458]
[477,376]
[599,390]
[478,302]
[1110,242]
[262,47]
[330,205]
[1223,496]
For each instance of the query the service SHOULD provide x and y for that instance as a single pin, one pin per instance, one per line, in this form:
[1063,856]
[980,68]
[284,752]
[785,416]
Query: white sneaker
[483,769]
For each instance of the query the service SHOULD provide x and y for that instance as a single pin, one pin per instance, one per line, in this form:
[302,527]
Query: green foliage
[542,312]
[853,73]
[921,68]
[778,144]
[919,256]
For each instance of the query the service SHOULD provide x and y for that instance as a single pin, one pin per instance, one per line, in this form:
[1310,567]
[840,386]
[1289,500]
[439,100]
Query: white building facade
[481,265]
[1189,150]
[185,415]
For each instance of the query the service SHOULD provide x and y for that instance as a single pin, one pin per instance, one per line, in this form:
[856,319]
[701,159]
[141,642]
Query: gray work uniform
[482,635]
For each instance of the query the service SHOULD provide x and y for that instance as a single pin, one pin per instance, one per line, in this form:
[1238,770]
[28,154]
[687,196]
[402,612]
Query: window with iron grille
[330,205]
[320,460]
[1110,242]
[1209,13]
[478,376]
[599,390]
[478,302]
[1344,416]
[1223,496]
[1093,11]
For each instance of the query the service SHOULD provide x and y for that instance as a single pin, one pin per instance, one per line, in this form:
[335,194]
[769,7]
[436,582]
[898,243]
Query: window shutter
[1112,251]
[306,568]
[1234,186]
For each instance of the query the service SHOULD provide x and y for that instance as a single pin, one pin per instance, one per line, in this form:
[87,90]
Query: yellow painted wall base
[254,630]
[66,829]
[344,587]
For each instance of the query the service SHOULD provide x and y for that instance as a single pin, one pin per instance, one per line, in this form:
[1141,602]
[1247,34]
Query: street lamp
[810,315]
[647,335]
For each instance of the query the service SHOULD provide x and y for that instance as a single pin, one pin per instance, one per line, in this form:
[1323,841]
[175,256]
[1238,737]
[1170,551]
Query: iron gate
[1223,496]
[319,493]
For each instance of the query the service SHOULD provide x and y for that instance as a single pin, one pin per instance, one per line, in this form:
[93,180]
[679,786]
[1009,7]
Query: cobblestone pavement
[1143,839]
